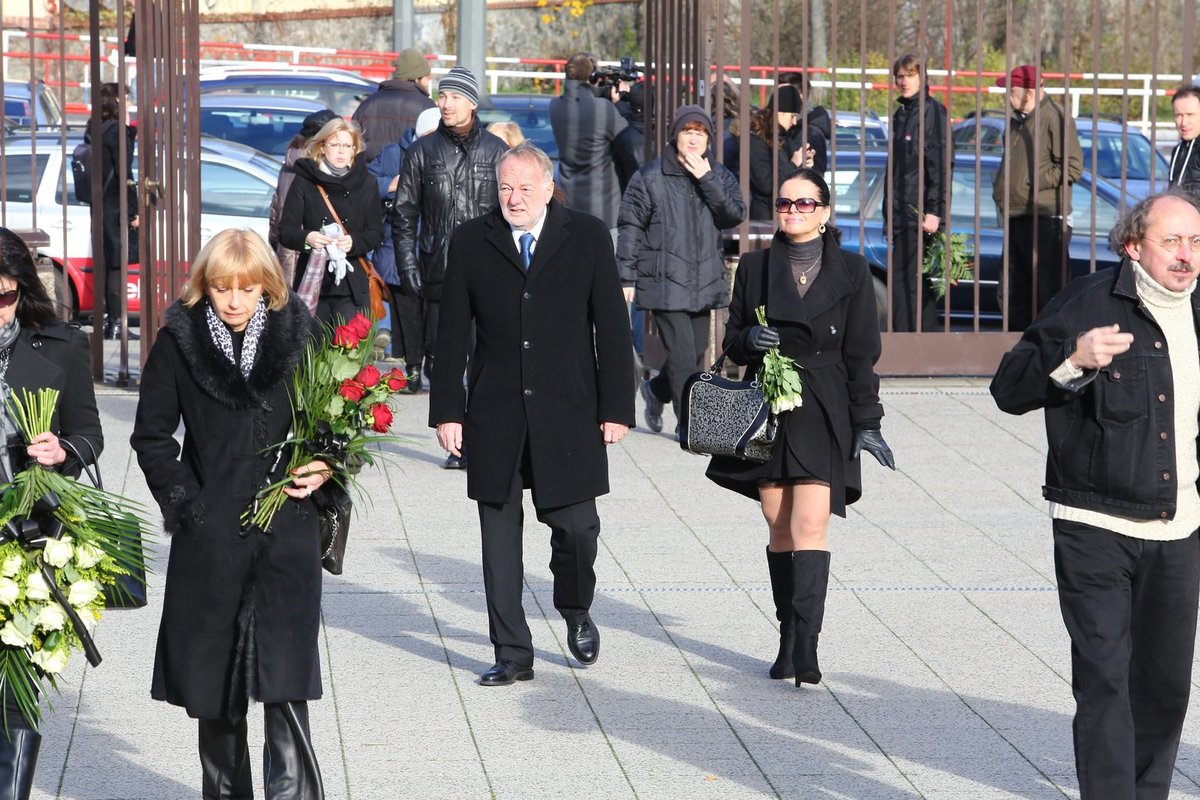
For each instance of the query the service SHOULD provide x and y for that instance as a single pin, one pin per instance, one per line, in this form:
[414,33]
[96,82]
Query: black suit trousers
[1049,244]
[574,531]
[1130,608]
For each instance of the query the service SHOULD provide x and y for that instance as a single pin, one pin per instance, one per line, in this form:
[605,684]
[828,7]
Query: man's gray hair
[1132,225]
[527,151]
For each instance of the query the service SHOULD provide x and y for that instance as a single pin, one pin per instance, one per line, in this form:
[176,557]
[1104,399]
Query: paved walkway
[946,663]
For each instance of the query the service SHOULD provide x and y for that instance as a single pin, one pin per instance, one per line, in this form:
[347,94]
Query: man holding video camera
[585,127]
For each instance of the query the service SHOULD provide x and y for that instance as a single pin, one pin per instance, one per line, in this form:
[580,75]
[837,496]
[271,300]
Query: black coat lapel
[500,235]
[27,368]
[830,286]
[554,235]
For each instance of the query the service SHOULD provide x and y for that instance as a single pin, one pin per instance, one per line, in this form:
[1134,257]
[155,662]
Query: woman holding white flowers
[820,311]
[241,607]
[38,352]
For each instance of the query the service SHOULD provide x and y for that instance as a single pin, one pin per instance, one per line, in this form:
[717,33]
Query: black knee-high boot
[780,567]
[810,579]
[18,758]
[225,760]
[289,763]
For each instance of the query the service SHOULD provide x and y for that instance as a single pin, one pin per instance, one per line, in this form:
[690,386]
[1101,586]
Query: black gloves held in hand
[761,338]
[410,283]
[873,443]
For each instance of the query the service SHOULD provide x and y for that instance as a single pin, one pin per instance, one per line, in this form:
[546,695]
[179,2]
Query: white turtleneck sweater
[1173,313]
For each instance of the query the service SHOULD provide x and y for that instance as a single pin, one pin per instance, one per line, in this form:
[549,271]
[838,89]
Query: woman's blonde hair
[507,130]
[241,254]
[316,145]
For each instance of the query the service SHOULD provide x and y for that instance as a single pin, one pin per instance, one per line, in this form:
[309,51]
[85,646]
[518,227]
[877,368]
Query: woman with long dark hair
[38,352]
[820,311]
[241,608]
[770,151]
[350,195]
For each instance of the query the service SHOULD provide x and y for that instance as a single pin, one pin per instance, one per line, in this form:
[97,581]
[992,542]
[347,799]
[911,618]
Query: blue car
[858,212]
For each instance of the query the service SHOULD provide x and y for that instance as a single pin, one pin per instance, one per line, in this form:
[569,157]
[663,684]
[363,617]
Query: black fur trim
[179,516]
[286,334]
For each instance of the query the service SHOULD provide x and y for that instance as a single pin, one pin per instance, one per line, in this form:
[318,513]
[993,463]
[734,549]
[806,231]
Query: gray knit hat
[411,65]
[461,81]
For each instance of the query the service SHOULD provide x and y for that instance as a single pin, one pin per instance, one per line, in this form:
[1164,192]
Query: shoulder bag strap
[366,265]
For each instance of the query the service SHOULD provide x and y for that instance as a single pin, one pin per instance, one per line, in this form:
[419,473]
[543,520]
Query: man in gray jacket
[585,127]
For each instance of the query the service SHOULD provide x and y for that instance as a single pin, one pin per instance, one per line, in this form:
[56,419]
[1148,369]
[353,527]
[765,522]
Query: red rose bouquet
[339,398]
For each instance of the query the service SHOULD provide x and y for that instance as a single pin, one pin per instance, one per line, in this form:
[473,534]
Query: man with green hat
[387,114]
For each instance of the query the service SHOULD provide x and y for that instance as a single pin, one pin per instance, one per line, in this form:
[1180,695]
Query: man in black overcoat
[548,391]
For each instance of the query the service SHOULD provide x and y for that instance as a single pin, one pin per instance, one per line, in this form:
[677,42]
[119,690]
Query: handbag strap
[366,265]
[91,470]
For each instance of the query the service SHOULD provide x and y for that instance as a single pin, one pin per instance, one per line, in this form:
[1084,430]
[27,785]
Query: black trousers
[1052,239]
[337,310]
[408,328]
[574,530]
[907,273]
[684,336]
[1130,608]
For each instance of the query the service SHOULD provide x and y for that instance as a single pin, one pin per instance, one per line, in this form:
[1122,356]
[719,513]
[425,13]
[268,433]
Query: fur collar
[279,351]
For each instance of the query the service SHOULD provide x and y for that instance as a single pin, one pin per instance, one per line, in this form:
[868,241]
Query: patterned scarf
[224,340]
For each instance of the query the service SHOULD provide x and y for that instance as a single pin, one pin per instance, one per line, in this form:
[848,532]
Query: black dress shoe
[654,408]
[583,640]
[505,673]
[455,462]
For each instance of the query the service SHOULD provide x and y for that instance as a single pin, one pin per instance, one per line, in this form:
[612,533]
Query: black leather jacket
[445,181]
[1111,432]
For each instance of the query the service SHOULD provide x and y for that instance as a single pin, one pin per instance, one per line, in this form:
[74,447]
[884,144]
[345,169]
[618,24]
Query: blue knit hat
[461,81]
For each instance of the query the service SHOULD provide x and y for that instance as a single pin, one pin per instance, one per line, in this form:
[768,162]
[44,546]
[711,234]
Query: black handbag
[723,417]
[334,507]
[129,591]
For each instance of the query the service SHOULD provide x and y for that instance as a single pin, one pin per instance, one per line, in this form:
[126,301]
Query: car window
[1135,151]
[962,198]
[534,125]
[850,185]
[990,136]
[229,191]
[1081,212]
[340,100]
[19,183]
[268,131]
[20,111]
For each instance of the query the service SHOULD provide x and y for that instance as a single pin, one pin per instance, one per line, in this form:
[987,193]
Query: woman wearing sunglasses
[820,311]
[669,246]
[334,200]
[38,352]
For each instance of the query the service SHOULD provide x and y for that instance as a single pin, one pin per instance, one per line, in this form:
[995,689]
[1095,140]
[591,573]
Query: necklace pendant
[803,279]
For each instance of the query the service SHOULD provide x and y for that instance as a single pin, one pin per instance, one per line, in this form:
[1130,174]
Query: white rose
[58,552]
[36,588]
[88,556]
[13,637]
[52,617]
[52,661]
[82,593]
[9,591]
[11,565]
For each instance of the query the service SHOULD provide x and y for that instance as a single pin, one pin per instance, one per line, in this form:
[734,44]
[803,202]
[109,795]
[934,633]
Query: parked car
[530,111]
[264,122]
[1115,143]
[338,90]
[854,131]
[22,106]
[237,184]
[859,192]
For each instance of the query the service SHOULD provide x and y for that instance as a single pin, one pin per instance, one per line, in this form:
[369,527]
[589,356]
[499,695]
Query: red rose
[351,390]
[382,416]
[360,325]
[344,336]
[396,379]
[368,376]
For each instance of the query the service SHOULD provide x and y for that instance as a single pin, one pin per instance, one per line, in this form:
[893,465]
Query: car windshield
[265,130]
[851,187]
[1138,155]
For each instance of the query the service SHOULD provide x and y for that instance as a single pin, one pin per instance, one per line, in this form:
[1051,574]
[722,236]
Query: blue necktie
[526,252]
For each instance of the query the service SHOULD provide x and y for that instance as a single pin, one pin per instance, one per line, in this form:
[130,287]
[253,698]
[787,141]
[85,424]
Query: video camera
[605,79]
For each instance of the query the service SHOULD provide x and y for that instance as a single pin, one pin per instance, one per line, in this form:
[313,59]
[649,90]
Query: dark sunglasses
[805,205]
[9,297]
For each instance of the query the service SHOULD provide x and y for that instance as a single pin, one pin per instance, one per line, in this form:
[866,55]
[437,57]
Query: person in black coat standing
[918,164]
[385,115]
[772,155]
[241,609]
[1184,170]
[820,311]
[669,247]
[38,352]
[333,165]
[548,391]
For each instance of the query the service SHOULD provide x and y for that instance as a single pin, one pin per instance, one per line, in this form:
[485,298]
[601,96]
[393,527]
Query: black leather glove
[410,282]
[761,338]
[873,443]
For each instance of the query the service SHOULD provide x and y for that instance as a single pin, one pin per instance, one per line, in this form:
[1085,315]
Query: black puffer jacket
[387,114]
[670,234]
[446,180]
[1185,167]
[356,199]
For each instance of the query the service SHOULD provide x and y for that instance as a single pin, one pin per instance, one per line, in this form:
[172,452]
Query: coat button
[525,344]
[1162,515]
[1162,398]
[1116,376]
[526,296]
[1158,345]
[1166,476]
[1163,436]
[37,344]
[529,392]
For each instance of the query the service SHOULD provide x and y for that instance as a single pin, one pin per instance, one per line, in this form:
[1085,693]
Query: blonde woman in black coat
[820,311]
[333,165]
[242,607]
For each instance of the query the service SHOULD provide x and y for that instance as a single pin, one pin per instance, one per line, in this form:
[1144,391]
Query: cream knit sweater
[1173,313]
